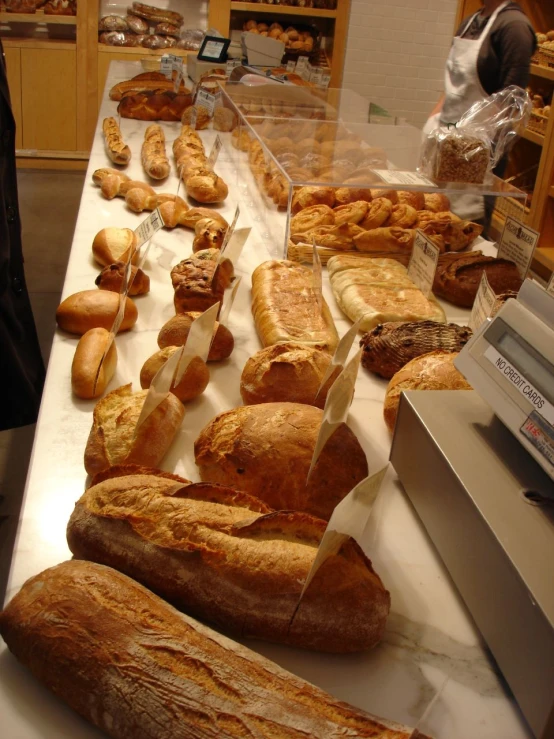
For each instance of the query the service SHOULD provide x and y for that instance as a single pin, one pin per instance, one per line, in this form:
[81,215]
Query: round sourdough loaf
[289,372]
[175,333]
[432,371]
[266,451]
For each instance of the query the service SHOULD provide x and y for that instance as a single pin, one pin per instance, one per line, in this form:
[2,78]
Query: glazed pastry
[379,212]
[351,213]
[426,216]
[330,237]
[344,195]
[391,195]
[308,218]
[437,202]
[305,197]
[385,239]
[403,216]
[415,199]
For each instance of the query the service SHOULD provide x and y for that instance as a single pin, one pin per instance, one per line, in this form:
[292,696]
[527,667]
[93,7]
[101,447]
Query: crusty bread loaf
[111,278]
[153,155]
[203,539]
[88,379]
[152,81]
[199,282]
[175,333]
[116,148]
[114,245]
[112,440]
[289,372]
[193,383]
[205,186]
[154,105]
[266,451]
[285,307]
[389,346]
[458,280]
[88,309]
[432,371]
[138,669]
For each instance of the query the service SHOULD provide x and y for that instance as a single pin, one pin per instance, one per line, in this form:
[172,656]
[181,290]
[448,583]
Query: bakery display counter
[430,671]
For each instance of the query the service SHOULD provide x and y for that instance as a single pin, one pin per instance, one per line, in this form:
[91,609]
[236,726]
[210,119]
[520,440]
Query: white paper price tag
[229,233]
[228,300]
[325,80]
[301,63]
[318,275]
[206,99]
[149,227]
[341,354]
[199,340]
[235,245]
[160,387]
[402,177]
[166,65]
[214,153]
[483,304]
[291,66]
[423,263]
[349,520]
[315,75]
[550,286]
[177,67]
[518,244]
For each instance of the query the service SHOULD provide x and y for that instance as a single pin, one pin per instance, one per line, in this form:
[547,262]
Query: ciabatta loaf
[138,669]
[285,307]
[266,451]
[112,438]
[379,292]
[188,543]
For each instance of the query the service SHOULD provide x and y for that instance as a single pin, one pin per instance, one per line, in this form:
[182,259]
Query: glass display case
[296,149]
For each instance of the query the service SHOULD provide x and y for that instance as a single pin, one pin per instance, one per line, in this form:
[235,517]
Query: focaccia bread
[285,307]
[432,371]
[188,542]
[137,668]
[379,293]
[266,450]
[112,439]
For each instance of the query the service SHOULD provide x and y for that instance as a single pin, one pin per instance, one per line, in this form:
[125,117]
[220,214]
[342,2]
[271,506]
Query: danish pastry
[436,201]
[385,239]
[344,195]
[391,195]
[308,196]
[415,199]
[378,214]
[403,216]
[316,215]
[426,216]
[331,237]
[351,213]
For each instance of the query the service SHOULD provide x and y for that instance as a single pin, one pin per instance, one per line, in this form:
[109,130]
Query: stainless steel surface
[467,476]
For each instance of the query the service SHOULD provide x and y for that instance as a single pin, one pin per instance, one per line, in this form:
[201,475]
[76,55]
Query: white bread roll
[88,309]
[114,245]
[86,361]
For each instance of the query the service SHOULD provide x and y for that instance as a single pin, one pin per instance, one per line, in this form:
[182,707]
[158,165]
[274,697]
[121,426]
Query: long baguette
[138,669]
[154,158]
[207,538]
[118,151]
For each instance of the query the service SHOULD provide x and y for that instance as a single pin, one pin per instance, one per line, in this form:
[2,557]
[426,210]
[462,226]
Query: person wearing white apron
[463,86]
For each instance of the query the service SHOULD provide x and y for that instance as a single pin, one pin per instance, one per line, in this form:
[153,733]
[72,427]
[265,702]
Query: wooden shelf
[35,43]
[540,71]
[262,8]
[551,192]
[536,138]
[107,49]
[39,17]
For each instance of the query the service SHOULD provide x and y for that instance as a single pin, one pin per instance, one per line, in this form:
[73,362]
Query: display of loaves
[144,25]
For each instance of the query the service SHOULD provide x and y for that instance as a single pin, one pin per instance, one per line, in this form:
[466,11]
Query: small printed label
[483,304]
[315,75]
[218,102]
[518,244]
[402,177]
[231,64]
[529,392]
[423,263]
[302,63]
[166,65]
[214,153]
[148,227]
[541,435]
[550,286]
[291,66]
[325,80]
[206,99]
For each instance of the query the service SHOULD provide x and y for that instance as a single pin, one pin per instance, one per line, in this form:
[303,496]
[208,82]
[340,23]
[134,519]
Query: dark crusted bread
[458,280]
[389,346]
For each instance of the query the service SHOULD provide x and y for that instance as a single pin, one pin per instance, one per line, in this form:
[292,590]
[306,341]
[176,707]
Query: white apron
[462,88]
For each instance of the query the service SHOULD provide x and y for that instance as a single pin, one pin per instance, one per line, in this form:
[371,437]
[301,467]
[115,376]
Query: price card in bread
[325,80]
[159,389]
[423,263]
[337,405]
[230,231]
[483,305]
[318,275]
[149,227]
[235,245]
[402,177]
[291,66]
[206,99]
[166,65]
[518,243]
[348,521]
[341,354]
[228,299]
[214,153]
[199,340]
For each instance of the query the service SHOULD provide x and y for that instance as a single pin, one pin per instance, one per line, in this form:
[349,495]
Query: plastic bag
[191,39]
[469,151]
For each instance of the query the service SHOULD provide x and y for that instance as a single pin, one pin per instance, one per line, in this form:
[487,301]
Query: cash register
[478,467]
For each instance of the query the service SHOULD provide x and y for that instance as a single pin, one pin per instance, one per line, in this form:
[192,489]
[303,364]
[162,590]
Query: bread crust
[175,333]
[193,383]
[266,450]
[187,544]
[138,669]
[87,309]
[86,364]
[111,278]
[458,280]
[111,440]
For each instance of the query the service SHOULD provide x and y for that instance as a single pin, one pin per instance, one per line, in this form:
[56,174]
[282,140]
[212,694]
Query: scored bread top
[225,556]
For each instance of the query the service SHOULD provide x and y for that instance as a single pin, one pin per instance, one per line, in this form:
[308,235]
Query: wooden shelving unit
[222,12]
[52,77]
[540,216]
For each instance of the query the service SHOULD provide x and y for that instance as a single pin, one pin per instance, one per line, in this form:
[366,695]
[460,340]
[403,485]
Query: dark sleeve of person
[514,45]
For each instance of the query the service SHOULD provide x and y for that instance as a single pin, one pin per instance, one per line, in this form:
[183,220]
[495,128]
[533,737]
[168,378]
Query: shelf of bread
[51,44]
[540,71]
[140,50]
[38,17]
[263,9]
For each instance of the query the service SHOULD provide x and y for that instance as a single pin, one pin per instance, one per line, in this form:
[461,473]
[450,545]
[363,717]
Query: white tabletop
[431,644]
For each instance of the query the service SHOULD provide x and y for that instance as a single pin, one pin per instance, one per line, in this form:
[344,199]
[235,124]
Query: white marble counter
[430,637]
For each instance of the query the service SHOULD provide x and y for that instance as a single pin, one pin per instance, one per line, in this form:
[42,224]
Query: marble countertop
[432,669]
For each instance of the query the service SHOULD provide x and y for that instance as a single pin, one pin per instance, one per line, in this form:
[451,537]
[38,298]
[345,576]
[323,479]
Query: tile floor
[48,203]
